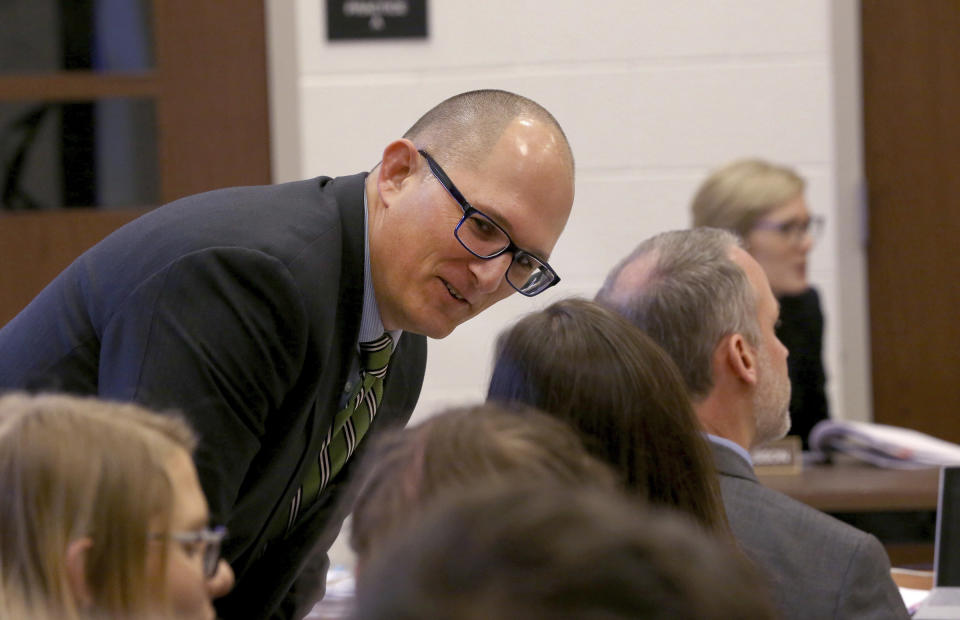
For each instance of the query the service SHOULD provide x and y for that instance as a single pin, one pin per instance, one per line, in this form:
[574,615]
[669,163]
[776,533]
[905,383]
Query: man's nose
[784,348]
[490,272]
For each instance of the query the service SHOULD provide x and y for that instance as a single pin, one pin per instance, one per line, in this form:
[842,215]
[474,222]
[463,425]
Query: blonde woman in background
[764,204]
[102,514]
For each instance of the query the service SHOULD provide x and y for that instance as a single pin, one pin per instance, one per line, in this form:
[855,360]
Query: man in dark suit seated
[285,321]
[709,304]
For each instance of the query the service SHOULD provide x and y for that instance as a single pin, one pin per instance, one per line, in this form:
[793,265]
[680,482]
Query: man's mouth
[453,292]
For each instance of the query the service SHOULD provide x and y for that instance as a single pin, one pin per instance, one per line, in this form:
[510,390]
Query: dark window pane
[84,154]
[39,36]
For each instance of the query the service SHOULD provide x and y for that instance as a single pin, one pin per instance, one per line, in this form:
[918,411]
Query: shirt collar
[722,441]
[371,325]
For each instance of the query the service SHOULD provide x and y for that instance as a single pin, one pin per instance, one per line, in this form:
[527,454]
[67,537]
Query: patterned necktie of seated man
[349,426]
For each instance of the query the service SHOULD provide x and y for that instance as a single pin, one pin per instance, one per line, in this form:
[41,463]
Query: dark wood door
[911,93]
[208,85]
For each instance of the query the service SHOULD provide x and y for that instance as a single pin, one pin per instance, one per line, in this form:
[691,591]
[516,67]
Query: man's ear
[76,563]
[400,161]
[741,358]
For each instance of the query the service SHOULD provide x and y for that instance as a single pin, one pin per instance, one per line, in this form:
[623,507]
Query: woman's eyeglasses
[206,542]
[794,229]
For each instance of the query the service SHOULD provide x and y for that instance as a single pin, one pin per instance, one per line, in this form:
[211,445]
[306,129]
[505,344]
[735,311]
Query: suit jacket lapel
[343,334]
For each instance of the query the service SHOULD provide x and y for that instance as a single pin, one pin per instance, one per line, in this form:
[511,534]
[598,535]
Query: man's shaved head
[464,128]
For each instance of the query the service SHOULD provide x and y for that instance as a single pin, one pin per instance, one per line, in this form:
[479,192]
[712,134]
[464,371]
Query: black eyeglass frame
[468,210]
[211,537]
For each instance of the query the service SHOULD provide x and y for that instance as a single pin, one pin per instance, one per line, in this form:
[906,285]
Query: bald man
[287,321]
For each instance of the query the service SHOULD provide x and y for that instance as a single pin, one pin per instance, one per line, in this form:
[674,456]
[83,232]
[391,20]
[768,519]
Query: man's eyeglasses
[795,229]
[484,238]
[206,542]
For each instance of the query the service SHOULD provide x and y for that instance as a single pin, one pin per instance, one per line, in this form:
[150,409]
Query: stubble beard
[771,402]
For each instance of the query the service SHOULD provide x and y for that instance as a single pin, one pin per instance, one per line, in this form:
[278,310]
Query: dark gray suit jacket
[241,308]
[819,567]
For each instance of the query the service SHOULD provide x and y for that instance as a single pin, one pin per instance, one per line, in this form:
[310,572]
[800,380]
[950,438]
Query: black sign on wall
[376,19]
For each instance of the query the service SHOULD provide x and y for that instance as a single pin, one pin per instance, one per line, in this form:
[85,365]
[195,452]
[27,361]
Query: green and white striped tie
[349,426]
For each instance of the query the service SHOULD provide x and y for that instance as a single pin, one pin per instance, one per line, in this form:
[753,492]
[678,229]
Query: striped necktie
[352,422]
[349,427]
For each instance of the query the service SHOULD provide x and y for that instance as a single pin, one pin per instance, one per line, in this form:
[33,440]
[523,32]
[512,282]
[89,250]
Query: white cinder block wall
[652,95]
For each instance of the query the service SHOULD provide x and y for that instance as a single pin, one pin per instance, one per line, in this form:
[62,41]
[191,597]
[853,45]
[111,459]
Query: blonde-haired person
[102,514]
[764,204]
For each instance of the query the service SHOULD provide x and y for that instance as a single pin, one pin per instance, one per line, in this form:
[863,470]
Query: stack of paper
[883,445]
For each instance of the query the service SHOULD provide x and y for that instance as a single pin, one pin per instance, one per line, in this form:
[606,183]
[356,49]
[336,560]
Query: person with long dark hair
[591,368]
